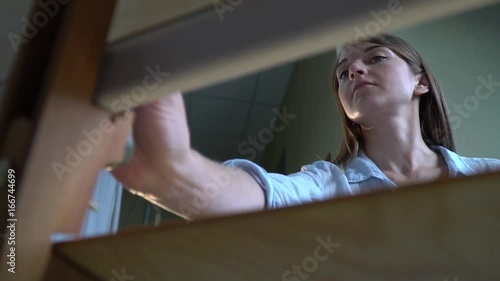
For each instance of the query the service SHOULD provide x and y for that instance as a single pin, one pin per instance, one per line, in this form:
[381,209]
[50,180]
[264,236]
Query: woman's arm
[168,172]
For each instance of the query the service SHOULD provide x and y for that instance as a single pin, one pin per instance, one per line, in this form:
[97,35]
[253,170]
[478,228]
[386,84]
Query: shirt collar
[456,164]
[362,168]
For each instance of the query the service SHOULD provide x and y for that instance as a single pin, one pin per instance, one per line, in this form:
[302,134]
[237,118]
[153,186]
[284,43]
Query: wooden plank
[61,269]
[250,36]
[437,231]
[132,17]
[53,194]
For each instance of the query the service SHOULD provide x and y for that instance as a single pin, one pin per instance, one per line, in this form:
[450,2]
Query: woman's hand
[161,137]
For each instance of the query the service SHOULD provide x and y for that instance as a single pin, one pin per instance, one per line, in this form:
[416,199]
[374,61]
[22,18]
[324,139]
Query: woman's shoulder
[479,164]
[321,165]
[468,166]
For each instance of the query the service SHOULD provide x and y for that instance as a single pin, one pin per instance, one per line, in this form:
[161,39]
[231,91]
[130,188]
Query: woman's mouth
[361,85]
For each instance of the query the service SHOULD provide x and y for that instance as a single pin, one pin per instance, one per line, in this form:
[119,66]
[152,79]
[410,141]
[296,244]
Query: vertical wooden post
[72,141]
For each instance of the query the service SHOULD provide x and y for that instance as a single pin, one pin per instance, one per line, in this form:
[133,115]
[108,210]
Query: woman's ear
[422,86]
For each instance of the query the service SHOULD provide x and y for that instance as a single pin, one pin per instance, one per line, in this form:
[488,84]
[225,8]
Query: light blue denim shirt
[323,180]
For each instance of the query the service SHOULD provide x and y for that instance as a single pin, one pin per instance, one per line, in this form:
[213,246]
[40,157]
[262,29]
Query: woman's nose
[356,69]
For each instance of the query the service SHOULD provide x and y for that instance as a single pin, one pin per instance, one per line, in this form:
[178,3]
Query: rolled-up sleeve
[315,182]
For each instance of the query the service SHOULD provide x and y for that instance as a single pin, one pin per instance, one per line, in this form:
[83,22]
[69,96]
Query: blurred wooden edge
[224,43]
[132,17]
[23,95]
[50,199]
[426,232]
[60,269]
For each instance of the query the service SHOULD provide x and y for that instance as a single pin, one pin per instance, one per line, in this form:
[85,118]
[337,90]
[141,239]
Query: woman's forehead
[355,49]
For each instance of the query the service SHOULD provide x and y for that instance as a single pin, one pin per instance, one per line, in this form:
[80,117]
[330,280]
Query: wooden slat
[45,202]
[437,231]
[60,269]
[202,50]
[132,17]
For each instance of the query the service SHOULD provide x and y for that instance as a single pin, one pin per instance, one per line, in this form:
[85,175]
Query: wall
[462,51]
[315,130]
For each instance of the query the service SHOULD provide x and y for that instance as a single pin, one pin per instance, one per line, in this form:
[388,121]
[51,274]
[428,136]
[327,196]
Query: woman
[396,132]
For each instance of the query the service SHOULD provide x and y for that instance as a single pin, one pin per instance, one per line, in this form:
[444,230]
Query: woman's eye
[374,59]
[377,58]
[342,75]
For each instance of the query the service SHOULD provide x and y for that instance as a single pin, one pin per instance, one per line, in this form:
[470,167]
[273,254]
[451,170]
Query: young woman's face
[373,80]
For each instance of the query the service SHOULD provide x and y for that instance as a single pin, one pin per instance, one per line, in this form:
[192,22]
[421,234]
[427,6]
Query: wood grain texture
[51,200]
[437,231]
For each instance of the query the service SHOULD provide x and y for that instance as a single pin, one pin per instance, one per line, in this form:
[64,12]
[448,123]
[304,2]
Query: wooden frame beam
[244,37]
[72,142]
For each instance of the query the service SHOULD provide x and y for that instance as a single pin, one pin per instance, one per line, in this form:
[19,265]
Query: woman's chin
[369,103]
[365,113]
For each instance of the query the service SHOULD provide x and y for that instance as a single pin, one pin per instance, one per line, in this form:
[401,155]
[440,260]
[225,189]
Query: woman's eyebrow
[364,51]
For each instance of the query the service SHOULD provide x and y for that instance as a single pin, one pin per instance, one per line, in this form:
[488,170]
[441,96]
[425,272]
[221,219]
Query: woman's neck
[397,146]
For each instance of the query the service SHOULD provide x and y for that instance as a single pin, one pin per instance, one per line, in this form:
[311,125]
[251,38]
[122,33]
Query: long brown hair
[433,111]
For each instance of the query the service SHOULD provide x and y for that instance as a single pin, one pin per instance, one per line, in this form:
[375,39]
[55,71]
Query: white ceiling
[225,115]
